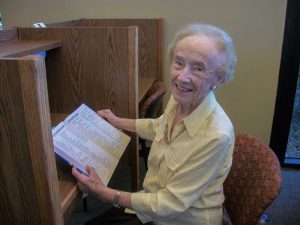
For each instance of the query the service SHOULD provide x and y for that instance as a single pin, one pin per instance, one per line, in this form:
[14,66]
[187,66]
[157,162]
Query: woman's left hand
[91,184]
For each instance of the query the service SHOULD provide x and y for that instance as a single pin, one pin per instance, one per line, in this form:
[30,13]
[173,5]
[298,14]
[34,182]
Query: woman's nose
[185,74]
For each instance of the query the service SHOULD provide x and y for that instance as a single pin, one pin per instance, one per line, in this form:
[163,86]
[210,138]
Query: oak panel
[8,35]
[96,66]
[17,48]
[150,46]
[28,176]
[91,67]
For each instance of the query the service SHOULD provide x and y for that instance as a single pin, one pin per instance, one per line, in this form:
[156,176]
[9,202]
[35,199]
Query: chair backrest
[149,107]
[253,182]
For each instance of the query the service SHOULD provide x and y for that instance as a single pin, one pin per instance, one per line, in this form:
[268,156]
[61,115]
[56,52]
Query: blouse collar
[194,121]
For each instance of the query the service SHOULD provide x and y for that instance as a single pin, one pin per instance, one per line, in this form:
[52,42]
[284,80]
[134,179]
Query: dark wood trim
[23,48]
[10,34]
[287,82]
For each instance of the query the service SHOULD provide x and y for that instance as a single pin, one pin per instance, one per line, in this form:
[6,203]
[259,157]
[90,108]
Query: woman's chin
[181,98]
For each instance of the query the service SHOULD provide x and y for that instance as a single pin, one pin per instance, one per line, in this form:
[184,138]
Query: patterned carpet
[293,148]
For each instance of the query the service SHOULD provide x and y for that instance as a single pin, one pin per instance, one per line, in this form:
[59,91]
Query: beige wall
[255,25]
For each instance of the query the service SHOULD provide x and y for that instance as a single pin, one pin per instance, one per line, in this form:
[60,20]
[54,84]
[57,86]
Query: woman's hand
[93,185]
[90,184]
[121,123]
[109,116]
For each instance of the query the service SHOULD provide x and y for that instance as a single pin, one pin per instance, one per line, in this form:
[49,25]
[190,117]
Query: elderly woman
[193,140]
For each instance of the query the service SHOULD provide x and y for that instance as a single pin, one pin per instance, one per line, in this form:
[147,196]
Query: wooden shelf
[17,48]
[69,192]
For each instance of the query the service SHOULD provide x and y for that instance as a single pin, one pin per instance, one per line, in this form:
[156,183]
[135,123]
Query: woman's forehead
[197,43]
[197,46]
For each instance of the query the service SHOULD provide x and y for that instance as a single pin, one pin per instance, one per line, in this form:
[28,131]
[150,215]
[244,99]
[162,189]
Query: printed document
[84,138]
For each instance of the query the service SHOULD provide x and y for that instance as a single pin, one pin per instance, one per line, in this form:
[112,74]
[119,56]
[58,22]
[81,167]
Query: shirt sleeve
[146,128]
[187,184]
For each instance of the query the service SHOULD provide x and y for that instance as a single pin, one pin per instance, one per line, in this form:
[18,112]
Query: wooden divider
[94,66]
[8,35]
[29,190]
[85,63]
[150,44]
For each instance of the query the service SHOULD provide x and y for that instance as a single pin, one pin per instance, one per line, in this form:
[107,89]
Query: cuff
[140,204]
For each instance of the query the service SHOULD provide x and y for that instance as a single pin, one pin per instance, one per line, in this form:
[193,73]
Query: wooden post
[29,189]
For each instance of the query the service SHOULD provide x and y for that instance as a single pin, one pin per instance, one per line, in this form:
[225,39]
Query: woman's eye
[178,64]
[198,69]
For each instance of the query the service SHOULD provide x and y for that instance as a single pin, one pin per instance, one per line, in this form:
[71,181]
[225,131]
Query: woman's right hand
[121,123]
[109,116]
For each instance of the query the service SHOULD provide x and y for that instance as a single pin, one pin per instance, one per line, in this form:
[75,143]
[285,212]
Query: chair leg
[146,157]
[144,152]
[84,202]
[146,164]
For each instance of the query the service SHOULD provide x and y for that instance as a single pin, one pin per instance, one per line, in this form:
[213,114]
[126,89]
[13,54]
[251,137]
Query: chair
[148,109]
[253,182]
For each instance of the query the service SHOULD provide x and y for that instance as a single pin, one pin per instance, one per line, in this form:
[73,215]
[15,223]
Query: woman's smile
[182,89]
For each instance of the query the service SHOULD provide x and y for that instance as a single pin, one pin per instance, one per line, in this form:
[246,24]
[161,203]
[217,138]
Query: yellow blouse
[186,171]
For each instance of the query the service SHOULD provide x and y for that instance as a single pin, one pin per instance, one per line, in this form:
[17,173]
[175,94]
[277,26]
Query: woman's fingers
[90,170]
[79,176]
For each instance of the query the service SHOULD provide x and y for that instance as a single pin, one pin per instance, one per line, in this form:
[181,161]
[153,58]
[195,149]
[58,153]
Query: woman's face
[193,70]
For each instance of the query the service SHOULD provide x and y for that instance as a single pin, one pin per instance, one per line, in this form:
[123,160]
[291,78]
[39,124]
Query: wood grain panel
[69,191]
[150,36]
[133,102]
[70,23]
[29,184]
[95,66]
[91,67]
[22,48]
[8,34]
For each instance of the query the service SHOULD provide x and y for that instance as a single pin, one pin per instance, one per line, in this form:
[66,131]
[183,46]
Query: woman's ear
[220,80]
[217,83]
